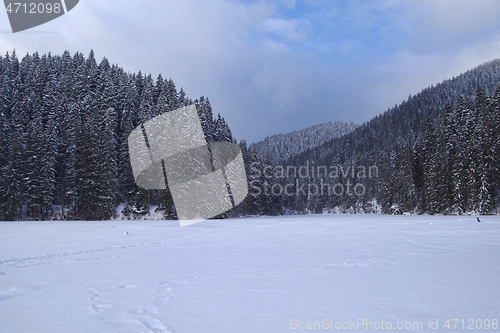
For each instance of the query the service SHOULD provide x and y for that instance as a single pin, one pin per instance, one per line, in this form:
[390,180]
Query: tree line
[65,122]
[455,167]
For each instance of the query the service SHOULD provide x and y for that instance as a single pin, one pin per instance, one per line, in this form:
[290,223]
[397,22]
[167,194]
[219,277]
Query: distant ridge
[284,146]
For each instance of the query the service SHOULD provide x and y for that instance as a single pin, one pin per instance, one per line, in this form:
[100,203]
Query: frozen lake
[276,274]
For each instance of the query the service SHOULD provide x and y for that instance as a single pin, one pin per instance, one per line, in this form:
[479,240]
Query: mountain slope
[284,146]
[374,146]
[379,141]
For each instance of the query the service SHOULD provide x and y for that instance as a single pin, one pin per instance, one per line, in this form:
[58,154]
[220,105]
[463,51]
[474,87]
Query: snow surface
[249,274]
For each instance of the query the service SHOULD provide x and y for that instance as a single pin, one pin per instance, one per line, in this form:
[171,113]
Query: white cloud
[457,18]
[408,72]
[294,30]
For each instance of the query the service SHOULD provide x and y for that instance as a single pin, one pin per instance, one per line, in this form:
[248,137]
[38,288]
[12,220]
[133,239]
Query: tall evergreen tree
[71,160]
[458,181]
[47,185]
[485,132]
[206,117]
[33,173]
[89,189]
[11,180]
[108,166]
[431,176]
[126,183]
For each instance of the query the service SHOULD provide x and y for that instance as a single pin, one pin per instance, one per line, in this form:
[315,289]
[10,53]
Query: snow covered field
[275,274]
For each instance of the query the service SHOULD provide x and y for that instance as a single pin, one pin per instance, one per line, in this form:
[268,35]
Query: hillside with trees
[436,152]
[284,146]
[65,122]
[454,167]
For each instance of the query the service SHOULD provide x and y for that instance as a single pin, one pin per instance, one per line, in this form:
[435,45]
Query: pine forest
[65,120]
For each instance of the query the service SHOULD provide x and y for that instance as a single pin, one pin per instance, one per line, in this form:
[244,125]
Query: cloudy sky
[280,65]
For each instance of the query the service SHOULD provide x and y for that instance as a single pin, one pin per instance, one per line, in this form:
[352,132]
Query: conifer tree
[71,160]
[33,173]
[495,111]
[221,131]
[47,185]
[172,96]
[108,166]
[158,89]
[89,194]
[430,188]
[11,179]
[126,183]
[457,172]
[206,117]
[485,132]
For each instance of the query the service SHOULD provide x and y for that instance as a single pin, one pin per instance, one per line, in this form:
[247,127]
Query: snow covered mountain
[284,146]
[448,134]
